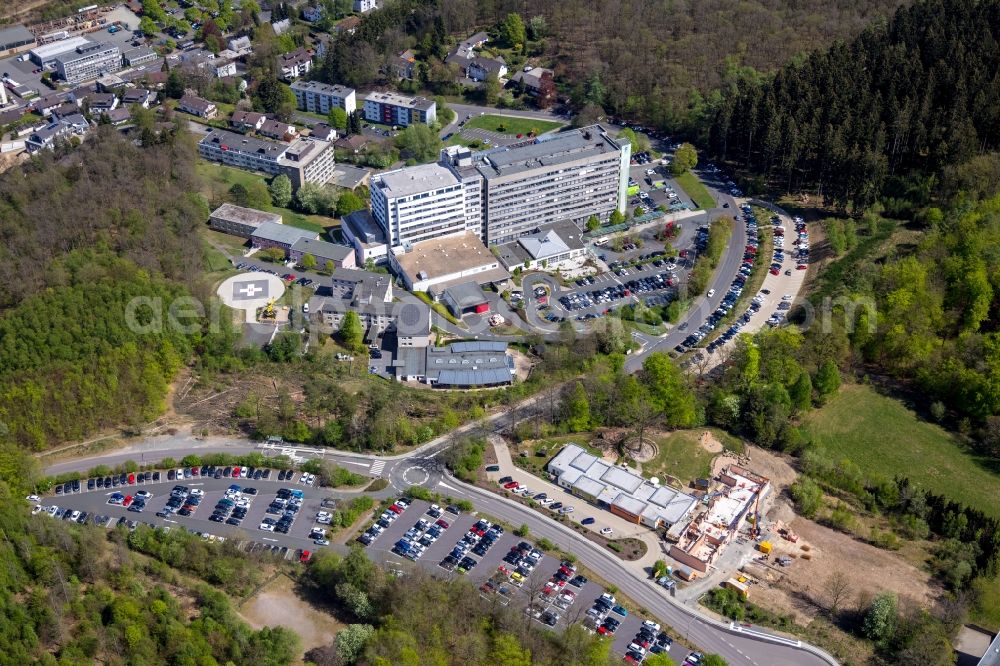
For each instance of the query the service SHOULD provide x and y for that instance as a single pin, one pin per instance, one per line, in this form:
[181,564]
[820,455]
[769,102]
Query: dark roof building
[341,256]
[282,236]
[460,365]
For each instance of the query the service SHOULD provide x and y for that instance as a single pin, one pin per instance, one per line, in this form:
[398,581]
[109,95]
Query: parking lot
[656,188]
[652,282]
[255,496]
[779,290]
[511,568]
[497,561]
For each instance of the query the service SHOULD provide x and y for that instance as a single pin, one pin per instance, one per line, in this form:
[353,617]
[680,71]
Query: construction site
[735,499]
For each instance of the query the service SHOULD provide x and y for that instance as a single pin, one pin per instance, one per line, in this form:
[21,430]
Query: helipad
[250,291]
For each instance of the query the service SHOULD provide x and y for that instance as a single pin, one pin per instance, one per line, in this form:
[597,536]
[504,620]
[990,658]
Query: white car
[711,292]
[566,509]
[74,516]
[607,531]
[196,492]
[33,498]
[321,542]
[52,510]
[650,172]
[143,494]
[267,527]
[652,625]
[324,521]
[635,647]
[36,509]
[323,514]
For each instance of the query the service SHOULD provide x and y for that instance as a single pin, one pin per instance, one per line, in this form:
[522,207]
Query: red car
[512,485]
[775,271]
[236,472]
[396,509]
[304,557]
[127,501]
[290,277]
[442,523]
[801,267]
[131,479]
[602,630]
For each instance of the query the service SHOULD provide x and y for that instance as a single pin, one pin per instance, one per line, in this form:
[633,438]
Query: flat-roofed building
[44,55]
[319,97]
[240,221]
[15,39]
[446,261]
[570,176]
[362,231]
[306,160]
[395,109]
[418,203]
[88,61]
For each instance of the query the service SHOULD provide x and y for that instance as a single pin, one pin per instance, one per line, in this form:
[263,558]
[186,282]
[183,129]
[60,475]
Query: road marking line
[267,539]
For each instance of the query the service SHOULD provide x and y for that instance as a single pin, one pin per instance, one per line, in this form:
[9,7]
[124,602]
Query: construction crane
[755,530]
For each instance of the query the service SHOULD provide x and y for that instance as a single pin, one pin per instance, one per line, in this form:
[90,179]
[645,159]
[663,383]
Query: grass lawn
[512,125]
[216,178]
[881,435]
[690,184]
[987,611]
[681,456]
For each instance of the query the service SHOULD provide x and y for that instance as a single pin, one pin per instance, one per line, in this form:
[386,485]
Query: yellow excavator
[268,311]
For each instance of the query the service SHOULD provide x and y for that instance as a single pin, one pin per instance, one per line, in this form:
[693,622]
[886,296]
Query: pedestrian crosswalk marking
[377,467]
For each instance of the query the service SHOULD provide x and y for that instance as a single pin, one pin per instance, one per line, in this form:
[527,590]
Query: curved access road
[423,466]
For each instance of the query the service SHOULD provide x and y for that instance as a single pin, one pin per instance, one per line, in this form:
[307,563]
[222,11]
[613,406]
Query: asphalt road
[703,306]
[424,467]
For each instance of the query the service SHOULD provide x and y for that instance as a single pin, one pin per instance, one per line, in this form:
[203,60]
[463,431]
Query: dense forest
[86,233]
[916,93]
[655,61]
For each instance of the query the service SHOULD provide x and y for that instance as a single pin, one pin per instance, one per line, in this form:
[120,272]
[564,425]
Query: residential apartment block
[88,61]
[295,64]
[394,109]
[418,203]
[363,6]
[317,97]
[305,160]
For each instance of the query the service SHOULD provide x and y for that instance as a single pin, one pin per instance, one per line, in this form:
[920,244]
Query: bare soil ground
[710,443]
[278,604]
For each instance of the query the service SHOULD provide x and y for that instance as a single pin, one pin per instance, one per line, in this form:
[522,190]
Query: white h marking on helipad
[251,290]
